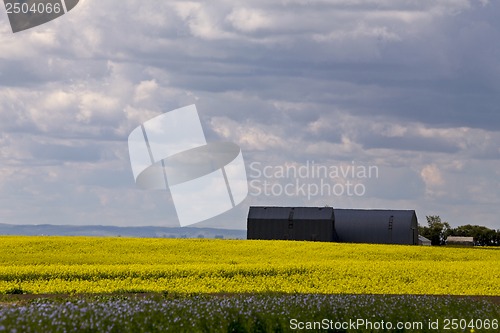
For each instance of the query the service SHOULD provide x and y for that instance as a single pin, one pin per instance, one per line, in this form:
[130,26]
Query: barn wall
[314,230]
[376,226]
[268,229]
[294,223]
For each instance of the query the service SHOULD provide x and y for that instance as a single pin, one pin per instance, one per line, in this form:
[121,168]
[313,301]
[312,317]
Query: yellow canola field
[103,265]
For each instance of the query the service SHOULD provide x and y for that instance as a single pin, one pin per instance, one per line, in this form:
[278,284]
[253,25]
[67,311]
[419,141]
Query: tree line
[437,231]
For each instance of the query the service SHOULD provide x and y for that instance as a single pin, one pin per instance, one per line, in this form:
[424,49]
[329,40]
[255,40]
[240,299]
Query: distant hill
[112,231]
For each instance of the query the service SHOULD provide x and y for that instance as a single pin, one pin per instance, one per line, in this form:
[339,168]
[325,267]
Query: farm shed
[376,226]
[333,225]
[424,241]
[291,223]
[463,241]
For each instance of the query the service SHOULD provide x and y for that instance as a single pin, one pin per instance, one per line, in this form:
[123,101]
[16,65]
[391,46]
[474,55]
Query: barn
[461,241]
[327,224]
[424,241]
[291,223]
[376,226]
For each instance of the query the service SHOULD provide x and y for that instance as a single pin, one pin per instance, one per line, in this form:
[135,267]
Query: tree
[436,230]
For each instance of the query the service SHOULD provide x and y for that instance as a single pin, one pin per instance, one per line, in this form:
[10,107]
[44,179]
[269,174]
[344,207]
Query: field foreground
[249,313]
[74,265]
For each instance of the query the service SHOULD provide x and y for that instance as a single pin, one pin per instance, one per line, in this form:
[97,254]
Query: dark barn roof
[299,213]
[328,224]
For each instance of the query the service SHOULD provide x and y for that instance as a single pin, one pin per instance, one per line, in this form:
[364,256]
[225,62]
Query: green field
[73,265]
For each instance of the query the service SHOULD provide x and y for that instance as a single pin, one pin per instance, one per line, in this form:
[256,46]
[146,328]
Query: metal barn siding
[293,223]
[268,223]
[376,226]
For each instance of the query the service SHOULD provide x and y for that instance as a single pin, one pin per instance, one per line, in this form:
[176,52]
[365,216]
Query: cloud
[432,176]
[249,20]
[410,86]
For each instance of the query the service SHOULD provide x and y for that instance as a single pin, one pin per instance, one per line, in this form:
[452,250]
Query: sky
[410,88]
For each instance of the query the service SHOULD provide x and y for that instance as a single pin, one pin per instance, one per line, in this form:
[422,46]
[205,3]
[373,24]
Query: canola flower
[69,265]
